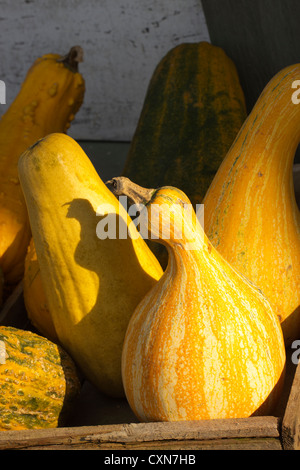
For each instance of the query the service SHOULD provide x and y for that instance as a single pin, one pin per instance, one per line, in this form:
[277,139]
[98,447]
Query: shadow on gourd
[109,316]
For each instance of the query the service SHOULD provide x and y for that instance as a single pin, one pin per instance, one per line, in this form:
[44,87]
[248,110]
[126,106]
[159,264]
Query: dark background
[261,36]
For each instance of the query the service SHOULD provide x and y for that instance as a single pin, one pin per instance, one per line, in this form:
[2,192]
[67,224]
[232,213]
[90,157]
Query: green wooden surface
[108,158]
[261,36]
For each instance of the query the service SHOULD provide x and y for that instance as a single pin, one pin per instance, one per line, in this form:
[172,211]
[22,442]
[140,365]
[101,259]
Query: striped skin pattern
[38,382]
[192,112]
[48,100]
[251,215]
[204,343]
[92,285]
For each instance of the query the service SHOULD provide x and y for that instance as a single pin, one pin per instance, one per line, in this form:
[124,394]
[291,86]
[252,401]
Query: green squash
[193,110]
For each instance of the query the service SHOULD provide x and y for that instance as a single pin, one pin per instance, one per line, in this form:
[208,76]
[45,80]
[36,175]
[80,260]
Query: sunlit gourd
[93,280]
[251,214]
[204,343]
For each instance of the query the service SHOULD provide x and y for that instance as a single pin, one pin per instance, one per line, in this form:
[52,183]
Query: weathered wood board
[252,433]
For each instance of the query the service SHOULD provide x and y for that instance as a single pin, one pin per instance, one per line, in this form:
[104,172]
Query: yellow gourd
[204,343]
[92,282]
[35,298]
[51,94]
[251,214]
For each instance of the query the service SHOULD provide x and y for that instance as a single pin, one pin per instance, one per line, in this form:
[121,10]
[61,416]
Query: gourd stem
[122,186]
[184,234]
[72,59]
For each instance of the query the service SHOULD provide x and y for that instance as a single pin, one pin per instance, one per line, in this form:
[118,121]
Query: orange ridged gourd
[51,94]
[204,343]
[251,214]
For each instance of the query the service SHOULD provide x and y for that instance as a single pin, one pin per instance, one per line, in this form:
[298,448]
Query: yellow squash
[51,94]
[93,280]
[35,298]
[204,343]
[250,212]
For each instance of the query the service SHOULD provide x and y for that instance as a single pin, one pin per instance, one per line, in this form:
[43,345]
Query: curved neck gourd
[251,214]
[204,342]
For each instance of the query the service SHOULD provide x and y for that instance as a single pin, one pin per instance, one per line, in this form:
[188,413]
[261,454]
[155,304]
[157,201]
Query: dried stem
[122,186]
[72,59]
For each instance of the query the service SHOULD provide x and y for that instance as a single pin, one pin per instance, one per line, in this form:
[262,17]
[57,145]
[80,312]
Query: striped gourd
[204,343]
[251,215]
[193,109]
[38,381]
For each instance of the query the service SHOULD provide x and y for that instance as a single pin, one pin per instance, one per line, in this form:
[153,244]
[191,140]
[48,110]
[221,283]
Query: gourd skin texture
[251,215]
[193,110]
[35,298]
[204,343]
[38,382]
[47,102]
[92,285]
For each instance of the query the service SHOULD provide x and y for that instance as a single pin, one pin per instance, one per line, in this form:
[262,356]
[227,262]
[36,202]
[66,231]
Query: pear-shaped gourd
[93,278]
[204,343]
[251,215]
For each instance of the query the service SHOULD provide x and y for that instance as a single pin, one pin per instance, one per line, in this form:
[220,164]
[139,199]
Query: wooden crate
[100,422]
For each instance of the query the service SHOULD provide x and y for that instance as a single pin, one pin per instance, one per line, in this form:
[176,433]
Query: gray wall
[123,40]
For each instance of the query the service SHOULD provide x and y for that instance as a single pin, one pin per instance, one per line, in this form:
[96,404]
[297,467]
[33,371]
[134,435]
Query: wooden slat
[149,435]
[291,420]
[217,444]
[261,36]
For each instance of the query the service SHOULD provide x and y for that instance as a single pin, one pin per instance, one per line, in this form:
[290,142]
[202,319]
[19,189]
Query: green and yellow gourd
[93,281]
[193,109]
[204,343]
[38,381]
[251,214]
[48,100]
